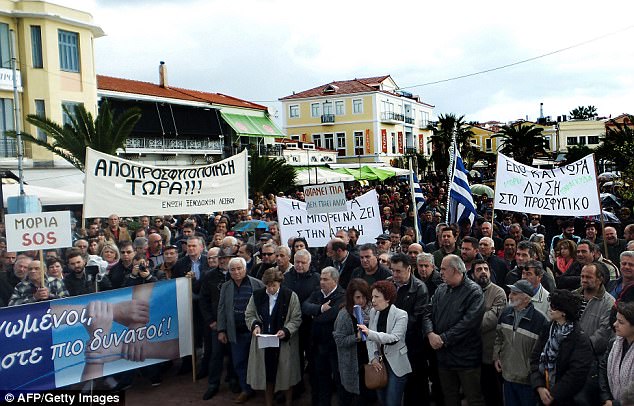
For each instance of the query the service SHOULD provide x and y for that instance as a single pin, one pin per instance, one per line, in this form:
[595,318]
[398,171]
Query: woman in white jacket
[386,339]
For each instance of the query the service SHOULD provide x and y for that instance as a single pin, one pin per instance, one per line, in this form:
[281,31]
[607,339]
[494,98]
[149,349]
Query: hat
[266,236]
[384,237]
[522,286]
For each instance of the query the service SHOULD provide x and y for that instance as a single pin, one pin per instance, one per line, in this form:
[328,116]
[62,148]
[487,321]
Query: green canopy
[252,126]
[367,173]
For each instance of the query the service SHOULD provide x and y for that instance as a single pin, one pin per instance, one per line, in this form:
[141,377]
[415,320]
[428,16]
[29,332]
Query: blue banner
[52,344]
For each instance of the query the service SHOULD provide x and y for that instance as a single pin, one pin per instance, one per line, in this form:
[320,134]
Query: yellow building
[364,120]
[579,132]
[55,62]
[483,139]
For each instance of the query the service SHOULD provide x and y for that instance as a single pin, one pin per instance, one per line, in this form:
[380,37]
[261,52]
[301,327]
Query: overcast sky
[261,50]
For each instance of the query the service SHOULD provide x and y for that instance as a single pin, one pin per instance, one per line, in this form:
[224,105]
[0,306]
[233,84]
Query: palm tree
[522,142]
[443,137]
[270,175]
[618,144]
[583,113]
[106,133]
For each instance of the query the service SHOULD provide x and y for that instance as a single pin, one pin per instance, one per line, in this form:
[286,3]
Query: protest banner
[362,213]
[325,198]
[52,344]
[569,190]
[38,231]
[128,188]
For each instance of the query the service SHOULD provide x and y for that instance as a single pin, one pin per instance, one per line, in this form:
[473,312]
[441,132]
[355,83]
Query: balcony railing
[390,116]
[8,147]
[267,150]
[409,120]
[410,151]
[327,118]
[169,145]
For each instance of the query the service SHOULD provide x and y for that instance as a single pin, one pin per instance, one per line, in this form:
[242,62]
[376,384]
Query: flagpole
[596,184]
[452,173]
[411,192]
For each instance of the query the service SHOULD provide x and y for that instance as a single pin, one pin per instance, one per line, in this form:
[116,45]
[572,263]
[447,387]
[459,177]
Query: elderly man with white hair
[231,324]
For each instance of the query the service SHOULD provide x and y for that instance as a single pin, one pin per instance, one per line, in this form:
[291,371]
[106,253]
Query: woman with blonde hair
[110,254]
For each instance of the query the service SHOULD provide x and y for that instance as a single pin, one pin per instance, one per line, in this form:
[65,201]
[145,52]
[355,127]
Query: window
[357,106]
[329,141]
[488,144]
[295,137]
[68,50]
[341,144]
[339,108]
[315,110]
[8,146]
[70,106]
[593,139]
[327,107]
[293,111]
[582,140]
[359,143]
[36,46]
[424,118]
[571,141]
[317,140]
[40,111]
[394,143]
[5,52]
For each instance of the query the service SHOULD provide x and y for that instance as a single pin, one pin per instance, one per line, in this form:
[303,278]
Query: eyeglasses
[267,254]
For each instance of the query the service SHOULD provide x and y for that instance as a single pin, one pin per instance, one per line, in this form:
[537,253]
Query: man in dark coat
[323,306]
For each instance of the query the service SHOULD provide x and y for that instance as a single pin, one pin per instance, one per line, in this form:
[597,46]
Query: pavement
[177,390]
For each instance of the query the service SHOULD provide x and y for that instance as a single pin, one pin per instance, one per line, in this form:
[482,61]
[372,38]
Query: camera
[142,268]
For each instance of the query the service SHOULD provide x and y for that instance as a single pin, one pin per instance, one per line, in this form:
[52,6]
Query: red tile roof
[343,87]
[151,89]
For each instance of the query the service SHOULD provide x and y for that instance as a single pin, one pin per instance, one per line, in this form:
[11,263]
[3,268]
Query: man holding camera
[82,279]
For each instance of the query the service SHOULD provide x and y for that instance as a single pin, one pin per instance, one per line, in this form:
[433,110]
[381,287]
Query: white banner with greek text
[362,214]
[128,188]
[569,190]
[38,231]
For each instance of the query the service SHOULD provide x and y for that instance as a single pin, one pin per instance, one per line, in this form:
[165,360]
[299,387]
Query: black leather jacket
[456,315]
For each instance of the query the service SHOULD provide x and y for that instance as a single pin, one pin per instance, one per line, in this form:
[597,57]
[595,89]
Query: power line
[520,62]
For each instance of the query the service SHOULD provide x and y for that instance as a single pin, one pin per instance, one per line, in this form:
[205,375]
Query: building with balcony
[184,127]
[55,67]
[364,120]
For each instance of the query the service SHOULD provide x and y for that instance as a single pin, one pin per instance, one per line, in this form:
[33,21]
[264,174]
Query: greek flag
[460,199]
[418,193]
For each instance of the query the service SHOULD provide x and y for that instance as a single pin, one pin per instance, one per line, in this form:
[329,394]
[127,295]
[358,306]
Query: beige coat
[288,371]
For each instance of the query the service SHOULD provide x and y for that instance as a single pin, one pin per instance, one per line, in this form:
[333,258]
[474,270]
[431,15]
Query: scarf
[620,374]
[563,264]
[548,357]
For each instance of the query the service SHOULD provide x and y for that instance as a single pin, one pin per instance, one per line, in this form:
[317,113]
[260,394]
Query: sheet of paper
[268,341]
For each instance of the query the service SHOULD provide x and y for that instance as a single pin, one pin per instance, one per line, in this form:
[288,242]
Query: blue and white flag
[460,199]
[419,198]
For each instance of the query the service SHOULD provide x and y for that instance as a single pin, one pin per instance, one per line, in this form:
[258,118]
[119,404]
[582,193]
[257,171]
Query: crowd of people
[510,310]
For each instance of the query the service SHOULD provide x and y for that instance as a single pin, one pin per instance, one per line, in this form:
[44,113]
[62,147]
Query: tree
[618,144]
[575,153]
[443,137]
[106,133]
[583,113]
[270,175]
[522,142]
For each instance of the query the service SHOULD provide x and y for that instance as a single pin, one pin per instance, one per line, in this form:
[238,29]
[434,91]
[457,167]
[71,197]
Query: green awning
[252,126]
[367,173]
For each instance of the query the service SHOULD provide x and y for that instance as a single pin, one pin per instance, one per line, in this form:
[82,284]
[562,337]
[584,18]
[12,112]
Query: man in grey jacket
[595,321]
[453,329]
[231,325]
[494,303]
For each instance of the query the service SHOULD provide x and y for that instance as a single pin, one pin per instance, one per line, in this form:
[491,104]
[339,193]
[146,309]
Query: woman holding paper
[352,352]
[274,310]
